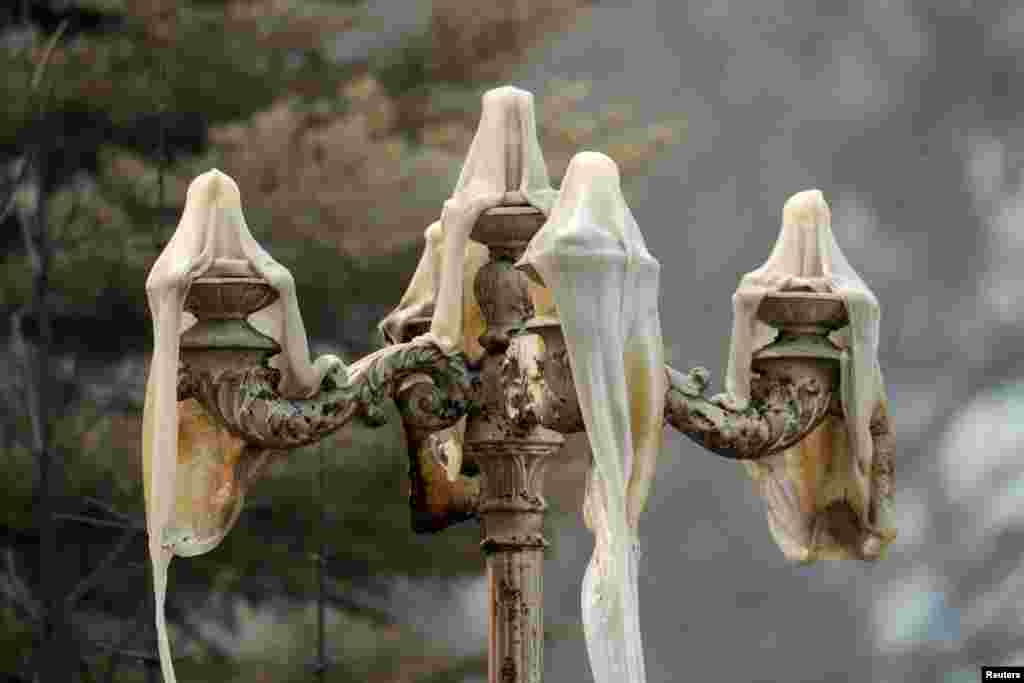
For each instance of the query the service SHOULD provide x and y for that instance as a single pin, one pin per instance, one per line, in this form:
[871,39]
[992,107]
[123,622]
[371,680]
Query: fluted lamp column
[511,455]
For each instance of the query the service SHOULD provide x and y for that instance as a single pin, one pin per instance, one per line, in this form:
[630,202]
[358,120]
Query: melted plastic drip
[193,486]
[504,158]
[591,255]
[809,489]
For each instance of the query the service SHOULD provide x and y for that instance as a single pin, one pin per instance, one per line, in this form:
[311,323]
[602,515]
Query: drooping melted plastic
[821,497]
[194,477]
[504,165]
[421,294]
[591,255]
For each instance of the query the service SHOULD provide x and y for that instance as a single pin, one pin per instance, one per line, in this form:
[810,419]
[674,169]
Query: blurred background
[345,123]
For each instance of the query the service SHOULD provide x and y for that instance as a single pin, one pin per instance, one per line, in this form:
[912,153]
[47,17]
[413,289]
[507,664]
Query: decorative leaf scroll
[436,501]
[782,411]
[249,404]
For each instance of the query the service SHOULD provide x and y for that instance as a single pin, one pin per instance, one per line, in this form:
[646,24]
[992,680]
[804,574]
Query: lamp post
[516,418]
[519,400]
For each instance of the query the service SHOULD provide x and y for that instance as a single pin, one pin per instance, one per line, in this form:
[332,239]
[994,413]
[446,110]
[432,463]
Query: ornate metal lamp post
[516,419]
[519,400]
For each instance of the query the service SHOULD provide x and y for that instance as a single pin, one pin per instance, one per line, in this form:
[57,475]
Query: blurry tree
[110,108]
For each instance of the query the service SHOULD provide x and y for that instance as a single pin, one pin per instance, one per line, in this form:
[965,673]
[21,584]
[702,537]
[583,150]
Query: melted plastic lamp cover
[193,488]
[504,165]
[591,255]
[823,496]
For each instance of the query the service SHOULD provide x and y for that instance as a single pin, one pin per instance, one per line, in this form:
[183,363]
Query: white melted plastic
[504,164]
[834,464]
[591,255]
[212,238]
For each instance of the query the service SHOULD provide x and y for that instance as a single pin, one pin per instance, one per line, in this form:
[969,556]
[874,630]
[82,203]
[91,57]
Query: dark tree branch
[96,575]
[17,591]
[32,104]
[29,197]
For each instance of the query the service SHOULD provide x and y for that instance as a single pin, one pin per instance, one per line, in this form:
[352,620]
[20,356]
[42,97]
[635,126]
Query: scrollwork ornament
[784,408]
[247,401]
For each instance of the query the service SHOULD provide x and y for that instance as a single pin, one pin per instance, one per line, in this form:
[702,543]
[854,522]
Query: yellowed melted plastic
[819,495]
[604,284]
[193,482]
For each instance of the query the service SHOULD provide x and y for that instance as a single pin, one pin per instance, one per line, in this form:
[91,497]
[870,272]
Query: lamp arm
[788,400]
[435,502]
[785,406]
[247,401]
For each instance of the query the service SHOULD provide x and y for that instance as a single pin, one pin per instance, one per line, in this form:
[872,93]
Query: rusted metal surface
[538,380]
[511,511]
[516,635]
[435,503]
[787,403]
[247,402]
[795,387]
[512,457]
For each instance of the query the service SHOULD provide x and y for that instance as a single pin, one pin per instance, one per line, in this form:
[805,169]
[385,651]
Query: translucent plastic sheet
[421,294]
[820,495]
[591,255]
[504,165]
[188,484]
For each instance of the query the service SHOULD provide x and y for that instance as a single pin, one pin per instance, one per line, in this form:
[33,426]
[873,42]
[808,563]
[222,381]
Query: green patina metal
[249,404]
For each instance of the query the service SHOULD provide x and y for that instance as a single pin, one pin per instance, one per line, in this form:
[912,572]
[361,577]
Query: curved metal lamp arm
[794,388]
[784,408]
[435,502]
[247,402]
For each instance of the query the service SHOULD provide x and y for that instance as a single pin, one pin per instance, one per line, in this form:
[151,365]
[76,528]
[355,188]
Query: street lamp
[483,362]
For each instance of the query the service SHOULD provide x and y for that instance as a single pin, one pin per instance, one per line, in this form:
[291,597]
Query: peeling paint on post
[512,457]
[512,512]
